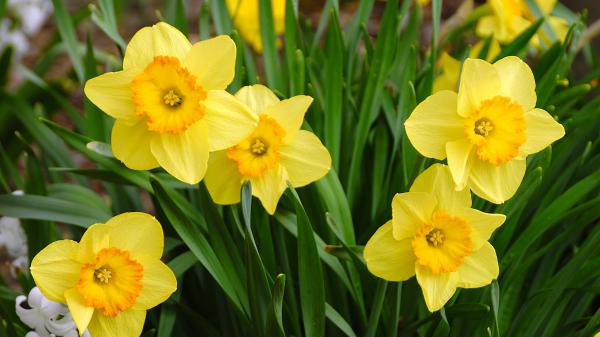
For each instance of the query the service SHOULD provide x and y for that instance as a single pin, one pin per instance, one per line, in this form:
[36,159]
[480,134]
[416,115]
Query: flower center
[442,243]
[167,94]
[497,129]
[260,151]
[172,99]
[102,275]
[483,127]
[435,237]
[112,282]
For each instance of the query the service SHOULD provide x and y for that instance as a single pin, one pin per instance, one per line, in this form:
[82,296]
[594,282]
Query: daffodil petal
[496,183]
[433,123]
[541,130]
[223,179]
[126,324]
[409,211]
[269,188]
[82,314]
[289,113]
[460,160]
[212,61]
[228,120]
[482,224]
[546,6]
[448,79]
[487,26]
[95,238]
[161,39]
[184,156]
[139,233]
[437,289]
[560,27]
[131,145]
[388,258]
[479,80]
[437,180]
[516,81]
[479,268]
[55,269]
[305,159]
[257,97]
[158,283]
[111,92]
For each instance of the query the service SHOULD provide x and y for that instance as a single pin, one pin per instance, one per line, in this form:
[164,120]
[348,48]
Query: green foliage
[301,273]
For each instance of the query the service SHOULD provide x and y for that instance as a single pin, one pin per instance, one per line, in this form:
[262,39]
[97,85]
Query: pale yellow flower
[170,103]
[488,129]
[275,153]
[111,277]
[436,235]
[245,15]
[511,17]
[450,67]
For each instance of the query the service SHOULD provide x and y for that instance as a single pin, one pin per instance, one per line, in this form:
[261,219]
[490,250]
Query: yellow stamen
[483,127]
[172,99]
[103,275]
[435,237]
[259,147]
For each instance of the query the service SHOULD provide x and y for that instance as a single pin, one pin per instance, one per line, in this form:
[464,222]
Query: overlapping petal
[437,289]
[479,81]
[437,180]
[257,97]
[460,161]
[55,269]
[289,113]
[389,258]
[496,183]
[137,232]
[161,39]
[433,123]
[131,145]
[223,179]
[184,156]
[125,324]
[228,120]
[479,268]
[542,130]
[516,81]
[305,159]
[111,92]
[158,284]
[269,187]
[212,61]
[82,314]
[409,211]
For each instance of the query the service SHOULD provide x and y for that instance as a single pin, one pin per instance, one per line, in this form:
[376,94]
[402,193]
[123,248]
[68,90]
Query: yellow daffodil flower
[486,130]
[436,235]
[450,67]
[275,153]
[111,277]
[169,102]
[246,19]
[510,18]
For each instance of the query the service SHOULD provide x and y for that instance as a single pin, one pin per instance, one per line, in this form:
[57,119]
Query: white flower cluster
[12,237]
[46,318]
[23,19]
